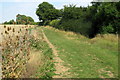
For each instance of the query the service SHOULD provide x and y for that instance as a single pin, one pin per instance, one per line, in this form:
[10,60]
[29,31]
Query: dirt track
[60,69]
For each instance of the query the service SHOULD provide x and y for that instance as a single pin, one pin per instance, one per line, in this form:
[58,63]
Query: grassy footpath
[86,58]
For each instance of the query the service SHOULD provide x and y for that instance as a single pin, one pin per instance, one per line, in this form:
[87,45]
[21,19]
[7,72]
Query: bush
[46,22]
[78,26]
[54,23]
[107,29]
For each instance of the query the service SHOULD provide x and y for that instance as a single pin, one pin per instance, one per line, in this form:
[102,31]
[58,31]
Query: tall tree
[106,18]
[22,19]
[47,12]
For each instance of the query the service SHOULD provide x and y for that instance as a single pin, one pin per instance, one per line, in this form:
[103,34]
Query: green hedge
[75,25]
[54,23]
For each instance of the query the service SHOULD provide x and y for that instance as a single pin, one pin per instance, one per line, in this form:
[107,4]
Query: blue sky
[10,8]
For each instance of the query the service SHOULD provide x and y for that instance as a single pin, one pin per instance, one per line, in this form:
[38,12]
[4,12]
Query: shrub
[107,29]
[78,26]
[54,23]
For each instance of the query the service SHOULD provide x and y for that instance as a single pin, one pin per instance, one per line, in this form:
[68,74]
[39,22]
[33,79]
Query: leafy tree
[106,18]
[72,12]
[101,17]
[46,12]
[5,22]
[22,19]
[10,22]
[73,20]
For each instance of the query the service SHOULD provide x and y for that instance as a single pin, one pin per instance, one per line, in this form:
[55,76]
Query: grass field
[86,58]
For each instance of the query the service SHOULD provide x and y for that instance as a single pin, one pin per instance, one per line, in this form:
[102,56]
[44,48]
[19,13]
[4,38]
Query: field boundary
[60,69]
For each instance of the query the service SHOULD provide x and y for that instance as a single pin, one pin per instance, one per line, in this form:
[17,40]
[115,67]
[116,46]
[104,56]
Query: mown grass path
[84,58]
[60,69]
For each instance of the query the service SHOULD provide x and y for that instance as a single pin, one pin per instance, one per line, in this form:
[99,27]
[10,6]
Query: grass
[87,58]
[46,67]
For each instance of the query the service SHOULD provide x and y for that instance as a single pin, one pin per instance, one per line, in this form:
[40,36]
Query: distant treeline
[22,19]
[101,17]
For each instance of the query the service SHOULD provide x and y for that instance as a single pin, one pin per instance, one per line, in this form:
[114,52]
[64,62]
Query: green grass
[86,59]
[46,68]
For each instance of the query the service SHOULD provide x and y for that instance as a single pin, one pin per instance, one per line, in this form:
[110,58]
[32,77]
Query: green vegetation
[83,40]
[100,18]
[54,23]
[10,22]
[47,12]
[46,67]
[22,19]
[86,58]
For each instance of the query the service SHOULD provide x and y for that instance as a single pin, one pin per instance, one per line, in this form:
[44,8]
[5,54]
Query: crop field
[12,30]
[14,46]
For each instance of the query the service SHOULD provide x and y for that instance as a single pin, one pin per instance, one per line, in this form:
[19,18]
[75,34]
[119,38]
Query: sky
[10,8]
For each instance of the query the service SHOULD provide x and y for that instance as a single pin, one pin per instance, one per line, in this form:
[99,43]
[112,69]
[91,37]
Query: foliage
[89,21]
[106,18]
[22,19]
[107,29]
[10,22]
[54,23]
[46,12]
[72,12]
[78,26]
[74,20]
[46,68]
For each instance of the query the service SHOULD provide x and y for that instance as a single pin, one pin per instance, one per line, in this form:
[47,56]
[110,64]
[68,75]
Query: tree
[72,12]
[22,19]
[9,22]
[106,18]
[12,21]
[47,12]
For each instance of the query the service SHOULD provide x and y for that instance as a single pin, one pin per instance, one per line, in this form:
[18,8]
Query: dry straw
[15,52]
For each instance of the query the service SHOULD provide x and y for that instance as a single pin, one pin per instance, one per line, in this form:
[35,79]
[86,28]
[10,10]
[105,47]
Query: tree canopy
[99,18]
[47,12]
[22,19]
[10,22]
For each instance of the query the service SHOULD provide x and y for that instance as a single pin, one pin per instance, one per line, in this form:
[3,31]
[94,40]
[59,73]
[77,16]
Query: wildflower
[4,26]
[13,30]
[8,28]
[6,32]
[20,29]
